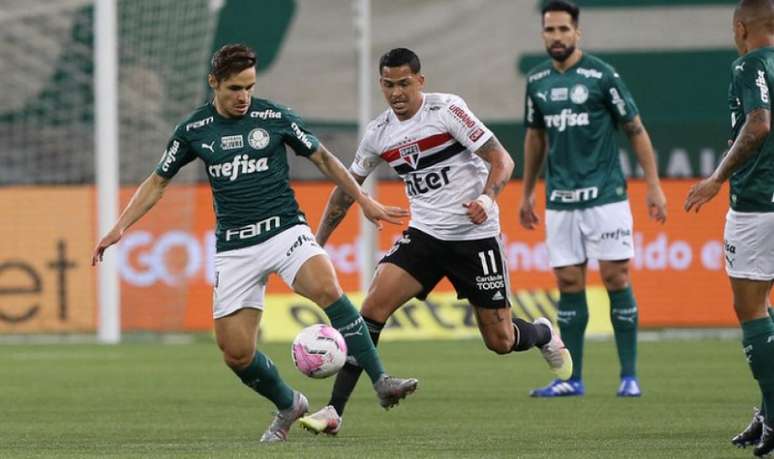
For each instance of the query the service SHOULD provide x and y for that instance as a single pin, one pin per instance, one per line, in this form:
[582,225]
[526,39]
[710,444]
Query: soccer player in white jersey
[575,103]
[441,151]
[260,229]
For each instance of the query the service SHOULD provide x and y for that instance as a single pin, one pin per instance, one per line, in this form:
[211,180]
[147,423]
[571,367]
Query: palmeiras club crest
[258,138]
[410,154]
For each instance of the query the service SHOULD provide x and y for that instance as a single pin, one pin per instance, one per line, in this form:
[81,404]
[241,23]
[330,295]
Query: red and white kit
[433,152]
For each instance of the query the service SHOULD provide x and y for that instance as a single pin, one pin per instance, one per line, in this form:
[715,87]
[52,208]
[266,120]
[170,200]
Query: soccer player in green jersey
[260,229]
[749,166]
[574,104]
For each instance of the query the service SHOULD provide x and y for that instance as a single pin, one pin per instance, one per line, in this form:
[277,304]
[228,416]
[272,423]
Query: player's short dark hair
[400,56]
[562,5]
[231,59]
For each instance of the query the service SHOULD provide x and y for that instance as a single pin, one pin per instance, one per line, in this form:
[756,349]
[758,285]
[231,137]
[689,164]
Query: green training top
[752,184]
[580,110]
[247,166]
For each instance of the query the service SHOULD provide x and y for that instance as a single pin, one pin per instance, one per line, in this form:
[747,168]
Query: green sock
[345,318]
[573,316]
[623,315]
[262,376]
[758,342]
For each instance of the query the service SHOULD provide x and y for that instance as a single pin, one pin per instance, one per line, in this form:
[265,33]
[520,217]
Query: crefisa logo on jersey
[258,138]
[410,154]
[579,94]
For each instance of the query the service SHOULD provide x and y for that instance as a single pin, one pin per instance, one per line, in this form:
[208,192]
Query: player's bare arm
[336,209]
[753,133]
[374,211]
[535,147]
[146,196]
[643,149]
[499,173]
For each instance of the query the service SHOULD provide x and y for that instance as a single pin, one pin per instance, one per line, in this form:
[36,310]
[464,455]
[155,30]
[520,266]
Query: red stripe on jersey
[424,144]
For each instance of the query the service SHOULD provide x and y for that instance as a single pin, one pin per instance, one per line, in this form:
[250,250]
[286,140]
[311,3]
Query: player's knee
[237,359]
[569,284]
[500,344]
[326,293]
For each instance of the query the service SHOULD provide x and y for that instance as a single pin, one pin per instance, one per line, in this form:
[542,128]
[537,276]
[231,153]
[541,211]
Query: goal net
[47,155]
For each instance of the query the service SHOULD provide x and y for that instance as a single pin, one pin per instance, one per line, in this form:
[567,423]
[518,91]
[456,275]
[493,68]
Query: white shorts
[241,274]
[602,233]
[749,245]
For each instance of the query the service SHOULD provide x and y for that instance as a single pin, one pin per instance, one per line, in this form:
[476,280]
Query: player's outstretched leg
[328,419]
[554,351]
[280,425]
[751,435]
[345,318]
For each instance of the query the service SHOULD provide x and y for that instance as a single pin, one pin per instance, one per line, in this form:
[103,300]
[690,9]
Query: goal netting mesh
[47,131]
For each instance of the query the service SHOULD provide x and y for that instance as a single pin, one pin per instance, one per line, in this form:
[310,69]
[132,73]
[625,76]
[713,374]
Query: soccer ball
[319,351]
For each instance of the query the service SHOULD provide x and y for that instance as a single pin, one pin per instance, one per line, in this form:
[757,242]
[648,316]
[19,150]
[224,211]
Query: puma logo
[542,95]
[210,147]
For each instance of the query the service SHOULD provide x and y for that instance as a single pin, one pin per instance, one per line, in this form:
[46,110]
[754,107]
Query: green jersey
[247,166]
[752,185]
[580,110]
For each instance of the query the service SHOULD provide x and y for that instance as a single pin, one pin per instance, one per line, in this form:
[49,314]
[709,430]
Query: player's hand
[375,212]
[110,238]
[701,193]
[476,211]
[656,202]
[527,216]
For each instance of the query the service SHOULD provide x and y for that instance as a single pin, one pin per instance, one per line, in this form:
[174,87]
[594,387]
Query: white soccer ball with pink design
[319,351]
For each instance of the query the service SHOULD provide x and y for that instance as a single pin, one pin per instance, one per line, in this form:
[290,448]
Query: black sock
[347,377]
[529,335]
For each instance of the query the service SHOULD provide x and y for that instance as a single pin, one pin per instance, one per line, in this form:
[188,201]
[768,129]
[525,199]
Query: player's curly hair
[231,59]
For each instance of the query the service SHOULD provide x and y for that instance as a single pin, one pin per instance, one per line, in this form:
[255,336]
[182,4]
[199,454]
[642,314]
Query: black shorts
[475,268]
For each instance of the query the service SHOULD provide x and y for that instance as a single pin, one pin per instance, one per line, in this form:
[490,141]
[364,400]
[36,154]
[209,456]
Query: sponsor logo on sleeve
[258,138]
[761,83]
[169,155]
[476,134]
[619,103]
[301,135]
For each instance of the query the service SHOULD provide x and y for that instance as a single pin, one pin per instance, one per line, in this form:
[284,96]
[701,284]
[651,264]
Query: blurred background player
[574,103]
[260,228]
[749,166]
[441,150]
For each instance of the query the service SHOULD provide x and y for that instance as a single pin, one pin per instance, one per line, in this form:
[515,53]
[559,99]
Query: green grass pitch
[153,400]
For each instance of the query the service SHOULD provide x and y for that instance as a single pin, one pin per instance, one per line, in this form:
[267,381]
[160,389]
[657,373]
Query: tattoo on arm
[633,128]
[485,150]
[490,152]
[335,212]
[746,145]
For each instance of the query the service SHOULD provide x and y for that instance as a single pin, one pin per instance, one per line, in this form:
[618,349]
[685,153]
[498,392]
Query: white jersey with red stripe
[433,152]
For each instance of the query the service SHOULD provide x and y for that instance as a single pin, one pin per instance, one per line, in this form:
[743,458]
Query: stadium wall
[47,283]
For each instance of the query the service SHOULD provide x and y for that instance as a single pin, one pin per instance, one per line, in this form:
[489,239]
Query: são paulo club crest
[258,138]
[410,154]
[579,94]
